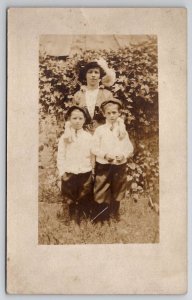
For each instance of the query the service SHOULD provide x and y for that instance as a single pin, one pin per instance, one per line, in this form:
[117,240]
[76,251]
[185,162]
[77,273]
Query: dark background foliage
[137,87]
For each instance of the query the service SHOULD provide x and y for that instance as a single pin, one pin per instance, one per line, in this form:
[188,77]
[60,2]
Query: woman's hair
[88,66]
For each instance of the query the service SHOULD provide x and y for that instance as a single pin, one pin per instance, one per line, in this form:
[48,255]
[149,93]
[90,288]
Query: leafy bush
[143,173]
[136,85]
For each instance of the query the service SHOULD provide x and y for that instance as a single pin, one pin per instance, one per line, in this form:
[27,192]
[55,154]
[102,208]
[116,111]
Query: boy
[111,153]
[74,165]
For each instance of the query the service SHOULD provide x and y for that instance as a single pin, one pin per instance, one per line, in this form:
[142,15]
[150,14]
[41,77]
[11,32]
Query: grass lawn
[139,224]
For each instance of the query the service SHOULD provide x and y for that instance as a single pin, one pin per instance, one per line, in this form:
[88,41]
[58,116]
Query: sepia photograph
[96,151]
[98,139]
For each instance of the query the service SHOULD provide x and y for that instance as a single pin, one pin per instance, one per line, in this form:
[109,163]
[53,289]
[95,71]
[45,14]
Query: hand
[122,129]
[119,158]
[109,157]
[122,134]
[63,177]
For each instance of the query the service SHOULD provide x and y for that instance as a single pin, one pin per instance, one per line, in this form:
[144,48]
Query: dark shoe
[100,212]
[85,209]
[117,217]
[71,210]
[95,213]
[105,212]
[114,213]
[74,213]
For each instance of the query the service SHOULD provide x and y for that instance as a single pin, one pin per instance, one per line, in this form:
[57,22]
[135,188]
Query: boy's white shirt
[75,156]
[107,141]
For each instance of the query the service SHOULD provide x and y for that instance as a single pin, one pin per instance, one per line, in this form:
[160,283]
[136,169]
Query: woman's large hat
[88,66]
[108,75]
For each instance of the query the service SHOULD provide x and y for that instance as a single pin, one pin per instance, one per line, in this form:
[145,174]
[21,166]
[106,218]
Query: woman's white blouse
[91,98]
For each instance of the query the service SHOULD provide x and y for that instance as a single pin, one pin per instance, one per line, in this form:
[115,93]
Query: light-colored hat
[110,77]
[112,100]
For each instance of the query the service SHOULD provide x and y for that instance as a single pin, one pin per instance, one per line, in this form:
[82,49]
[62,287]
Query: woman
[94,77]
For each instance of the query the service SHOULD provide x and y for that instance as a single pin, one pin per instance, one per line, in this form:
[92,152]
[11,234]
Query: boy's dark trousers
[109,189]
[77,191]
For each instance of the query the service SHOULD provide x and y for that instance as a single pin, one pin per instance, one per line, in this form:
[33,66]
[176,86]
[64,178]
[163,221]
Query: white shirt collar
[79,131]
[109,124]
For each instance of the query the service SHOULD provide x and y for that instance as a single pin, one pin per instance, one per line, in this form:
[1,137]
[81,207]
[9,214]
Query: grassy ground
[139,222]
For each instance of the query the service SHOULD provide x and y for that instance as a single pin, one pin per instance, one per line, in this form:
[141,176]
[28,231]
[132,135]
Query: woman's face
[93,77]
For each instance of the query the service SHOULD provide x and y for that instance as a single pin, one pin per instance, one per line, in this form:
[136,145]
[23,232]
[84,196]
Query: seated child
[75,166]
[111,153]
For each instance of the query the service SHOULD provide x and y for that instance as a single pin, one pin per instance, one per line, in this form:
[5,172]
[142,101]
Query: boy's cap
[75,107]
[113,100]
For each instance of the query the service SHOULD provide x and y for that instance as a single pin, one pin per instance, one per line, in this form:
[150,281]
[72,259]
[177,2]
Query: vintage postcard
[96,151]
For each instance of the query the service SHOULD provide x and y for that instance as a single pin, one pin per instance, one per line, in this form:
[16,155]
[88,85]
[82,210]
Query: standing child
[74,165]
[111,151]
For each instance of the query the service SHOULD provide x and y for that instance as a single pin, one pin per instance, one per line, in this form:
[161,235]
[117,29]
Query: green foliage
[137,87]
[143,172]
[136,84]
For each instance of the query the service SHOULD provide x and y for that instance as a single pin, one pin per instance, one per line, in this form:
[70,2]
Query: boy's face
[111,112]
[77,119]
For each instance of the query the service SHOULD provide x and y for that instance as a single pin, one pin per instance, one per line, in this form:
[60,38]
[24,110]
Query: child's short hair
[75,107]
[111,101]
